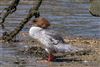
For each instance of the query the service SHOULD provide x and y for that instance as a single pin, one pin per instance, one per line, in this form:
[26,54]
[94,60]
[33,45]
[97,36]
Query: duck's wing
[55,42]
[54,37]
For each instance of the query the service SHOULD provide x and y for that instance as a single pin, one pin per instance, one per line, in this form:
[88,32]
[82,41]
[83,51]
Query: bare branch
[9,10]
[33,11]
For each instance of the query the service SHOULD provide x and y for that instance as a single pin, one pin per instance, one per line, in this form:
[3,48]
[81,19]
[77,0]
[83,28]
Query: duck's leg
[51,57]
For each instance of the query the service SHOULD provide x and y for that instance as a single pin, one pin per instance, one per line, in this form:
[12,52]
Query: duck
[51,41]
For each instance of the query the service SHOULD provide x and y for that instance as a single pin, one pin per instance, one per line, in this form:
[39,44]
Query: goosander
[52,41]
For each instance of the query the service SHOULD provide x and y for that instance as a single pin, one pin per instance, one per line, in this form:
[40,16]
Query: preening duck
[52,41]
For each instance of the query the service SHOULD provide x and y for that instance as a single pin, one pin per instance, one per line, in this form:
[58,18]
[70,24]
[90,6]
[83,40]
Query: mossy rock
[95,7]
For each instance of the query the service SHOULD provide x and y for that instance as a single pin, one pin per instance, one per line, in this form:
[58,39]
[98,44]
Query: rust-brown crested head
[41,22]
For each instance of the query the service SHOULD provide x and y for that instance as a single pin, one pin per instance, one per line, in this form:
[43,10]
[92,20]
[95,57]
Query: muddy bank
[27,52]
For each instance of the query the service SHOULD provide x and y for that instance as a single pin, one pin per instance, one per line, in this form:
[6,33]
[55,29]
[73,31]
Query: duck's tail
[67,48]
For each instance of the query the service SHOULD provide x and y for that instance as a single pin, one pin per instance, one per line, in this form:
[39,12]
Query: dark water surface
[72,18]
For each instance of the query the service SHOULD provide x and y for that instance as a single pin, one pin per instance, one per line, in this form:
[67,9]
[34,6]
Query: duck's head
[41,22]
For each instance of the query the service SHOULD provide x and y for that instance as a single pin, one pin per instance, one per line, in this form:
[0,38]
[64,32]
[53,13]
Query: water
[72,18]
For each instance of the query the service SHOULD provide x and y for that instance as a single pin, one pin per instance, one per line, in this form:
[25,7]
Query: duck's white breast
[35,32]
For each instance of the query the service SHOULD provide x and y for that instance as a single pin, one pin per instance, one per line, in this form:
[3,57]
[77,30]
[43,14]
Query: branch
[33,11]
[9,10]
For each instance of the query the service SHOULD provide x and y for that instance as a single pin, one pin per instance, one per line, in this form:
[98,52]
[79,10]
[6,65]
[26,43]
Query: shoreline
[69,39]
